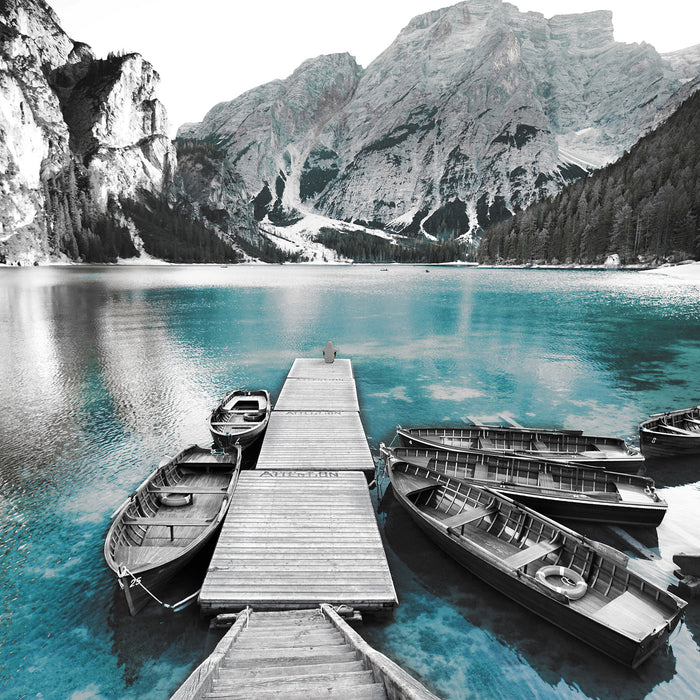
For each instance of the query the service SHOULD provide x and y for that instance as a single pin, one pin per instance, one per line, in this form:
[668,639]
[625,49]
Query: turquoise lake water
[104,370]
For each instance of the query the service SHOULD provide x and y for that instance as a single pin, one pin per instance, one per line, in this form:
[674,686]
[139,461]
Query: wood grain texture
[315,441]
[301,529]
[294,538]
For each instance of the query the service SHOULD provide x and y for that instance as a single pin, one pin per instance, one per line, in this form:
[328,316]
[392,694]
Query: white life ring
[571,584]
[175,500]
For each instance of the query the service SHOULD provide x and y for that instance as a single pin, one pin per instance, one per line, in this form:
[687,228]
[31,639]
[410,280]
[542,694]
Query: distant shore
[685,271]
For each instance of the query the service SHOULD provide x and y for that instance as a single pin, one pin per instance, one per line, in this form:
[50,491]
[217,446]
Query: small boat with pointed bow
[577,584]
[560,490]
[561,445]
[671,434]
[168,520]
[240,417]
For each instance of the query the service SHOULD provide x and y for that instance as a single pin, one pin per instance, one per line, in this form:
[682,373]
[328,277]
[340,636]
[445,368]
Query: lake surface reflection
[106,369]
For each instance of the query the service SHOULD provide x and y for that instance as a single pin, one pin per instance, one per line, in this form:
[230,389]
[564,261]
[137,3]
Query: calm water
[104,370]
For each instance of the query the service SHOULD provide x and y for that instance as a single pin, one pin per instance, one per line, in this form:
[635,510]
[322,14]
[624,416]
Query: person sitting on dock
[329,352]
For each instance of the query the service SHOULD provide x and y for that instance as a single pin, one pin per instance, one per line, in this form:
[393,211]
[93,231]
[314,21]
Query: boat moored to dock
[580,585]
[560,445]
[168,520]
[240,417]
[560,490]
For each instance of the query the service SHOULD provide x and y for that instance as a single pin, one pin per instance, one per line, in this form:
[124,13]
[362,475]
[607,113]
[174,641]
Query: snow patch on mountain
[300,237]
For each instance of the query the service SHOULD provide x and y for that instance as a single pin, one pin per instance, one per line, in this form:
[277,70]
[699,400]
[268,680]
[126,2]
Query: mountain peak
[474,110]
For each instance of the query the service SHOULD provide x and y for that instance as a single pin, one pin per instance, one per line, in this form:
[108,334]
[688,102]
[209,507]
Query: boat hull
[237,424]
[151,585]
[608,497]
[655,445]
[604,639]
[228,442]
[671,434]
[618,458]
[600,512]
[150,541]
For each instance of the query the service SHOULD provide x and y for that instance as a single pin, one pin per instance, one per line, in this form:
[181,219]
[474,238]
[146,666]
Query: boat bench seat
[530,554]
[466,517]
[540,446]
[169,522]
[680,431]
[186,489]
[632,615]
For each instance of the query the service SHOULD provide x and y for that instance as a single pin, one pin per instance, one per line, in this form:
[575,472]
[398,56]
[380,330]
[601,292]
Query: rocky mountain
[474,111]
[76,133]
[642,209]
[81,135]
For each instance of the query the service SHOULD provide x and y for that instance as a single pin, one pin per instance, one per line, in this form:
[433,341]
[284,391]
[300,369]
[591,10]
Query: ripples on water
[106,369]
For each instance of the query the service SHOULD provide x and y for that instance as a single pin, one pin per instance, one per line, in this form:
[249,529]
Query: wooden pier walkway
[298,655]
[315,424]
[301,530]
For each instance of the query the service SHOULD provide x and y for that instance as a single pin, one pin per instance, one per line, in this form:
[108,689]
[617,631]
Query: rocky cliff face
[118,128]
[76,133]
[475,110]
[206,184]
[270,134]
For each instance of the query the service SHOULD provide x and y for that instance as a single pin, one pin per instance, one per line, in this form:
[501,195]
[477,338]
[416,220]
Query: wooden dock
[301,530]
[315,424]
[303,654]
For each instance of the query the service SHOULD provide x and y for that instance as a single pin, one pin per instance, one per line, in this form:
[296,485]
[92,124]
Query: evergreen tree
[643,207]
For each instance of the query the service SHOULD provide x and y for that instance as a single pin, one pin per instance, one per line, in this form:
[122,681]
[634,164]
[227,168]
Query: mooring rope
[175,607]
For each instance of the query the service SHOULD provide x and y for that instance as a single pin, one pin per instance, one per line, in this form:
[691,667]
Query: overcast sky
[210,51]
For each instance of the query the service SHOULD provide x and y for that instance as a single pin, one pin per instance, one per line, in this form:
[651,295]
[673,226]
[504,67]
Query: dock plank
[312,368]
[317,395]
[317,440]
[321,555]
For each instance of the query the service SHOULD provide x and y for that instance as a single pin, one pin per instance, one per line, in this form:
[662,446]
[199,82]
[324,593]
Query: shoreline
[687,270]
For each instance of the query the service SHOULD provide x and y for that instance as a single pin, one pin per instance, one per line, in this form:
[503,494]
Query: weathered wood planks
[315,441]
[301,529]
[298,654]
[316,422]
[306,368]
[297,538]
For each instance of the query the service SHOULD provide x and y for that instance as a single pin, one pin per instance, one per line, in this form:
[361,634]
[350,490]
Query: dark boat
[241,417]
[557,489]
[561,445]
[168,520]
[675,433]
[578,584]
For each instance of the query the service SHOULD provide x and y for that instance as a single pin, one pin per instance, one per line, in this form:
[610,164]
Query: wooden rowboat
[561,445]
[241,417]
[557,489]
[675,433]
[578,584]
[168,520]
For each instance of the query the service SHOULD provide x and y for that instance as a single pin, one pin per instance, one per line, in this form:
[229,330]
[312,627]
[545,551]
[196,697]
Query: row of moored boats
[176,512]
[493,498]
[490,496]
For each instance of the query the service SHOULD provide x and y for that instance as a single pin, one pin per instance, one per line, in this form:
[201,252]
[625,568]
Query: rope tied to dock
[175,607]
